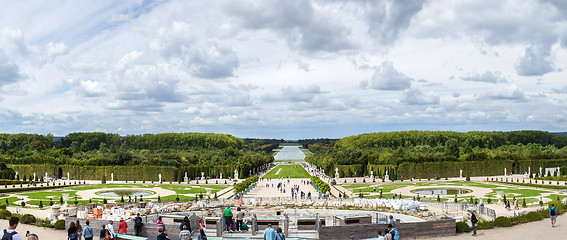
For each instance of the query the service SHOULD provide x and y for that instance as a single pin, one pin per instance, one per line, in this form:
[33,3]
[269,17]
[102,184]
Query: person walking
[110,229]
[160,224]
[184,234]
[553,215]
[380,236]
[239,219]
[79,229]
[394,232]
[103,233]
[10,232]
[162,235]
[269,233]
[473,221]
[387,235]
[228,218]
[279,234]
[202,235]
[72,232]
[392,221]
[185,223]
[137,224]
[88,231]
[122,226]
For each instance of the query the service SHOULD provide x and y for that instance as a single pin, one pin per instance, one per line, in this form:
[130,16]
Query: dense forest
[192,152]
[442,153]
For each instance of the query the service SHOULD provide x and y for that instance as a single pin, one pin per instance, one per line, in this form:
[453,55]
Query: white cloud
[414,96]
[386,77]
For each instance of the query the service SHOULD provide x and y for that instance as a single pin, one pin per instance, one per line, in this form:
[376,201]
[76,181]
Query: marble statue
[505,171]
[68,178]
[337,173]
[461,173]
[236,174]
[112,177]
[159,175]
[16,176]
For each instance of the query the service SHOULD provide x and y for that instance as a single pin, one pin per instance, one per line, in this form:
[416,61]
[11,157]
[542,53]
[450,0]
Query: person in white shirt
[380,236]
[11,230]
[110,229]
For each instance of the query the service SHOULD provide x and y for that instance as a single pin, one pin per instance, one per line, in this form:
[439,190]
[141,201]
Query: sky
[291,69]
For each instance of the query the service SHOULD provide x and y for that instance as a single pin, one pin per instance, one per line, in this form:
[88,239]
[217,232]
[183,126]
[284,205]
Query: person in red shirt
[122,226]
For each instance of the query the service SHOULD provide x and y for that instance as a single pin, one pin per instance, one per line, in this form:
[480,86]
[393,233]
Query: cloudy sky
[282,69]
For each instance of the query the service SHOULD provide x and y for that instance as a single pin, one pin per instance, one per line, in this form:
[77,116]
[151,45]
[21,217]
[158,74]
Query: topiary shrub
[502,222]
[462,227]
[534,216]
[2,206]
[28,219]
[468,178]
[60,224]
[5,214]
[40,204]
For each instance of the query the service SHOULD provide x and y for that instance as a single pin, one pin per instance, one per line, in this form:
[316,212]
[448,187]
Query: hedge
[535,185]
[462,227]
[24,189]
[452,169]
[379,170]
[529,217]
[129,173]
[350,170]
[321,185]
[240,187]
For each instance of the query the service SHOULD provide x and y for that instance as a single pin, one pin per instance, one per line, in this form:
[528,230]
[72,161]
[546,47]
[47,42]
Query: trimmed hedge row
[472,168]
[322,185]
[534,185]
[24,189]
[240,187]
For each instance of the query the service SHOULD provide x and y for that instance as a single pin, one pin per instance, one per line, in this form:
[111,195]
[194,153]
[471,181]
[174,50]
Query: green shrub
[502,222]
[463,227]
[2,206]
[28,219]
[5,214]
[60,224]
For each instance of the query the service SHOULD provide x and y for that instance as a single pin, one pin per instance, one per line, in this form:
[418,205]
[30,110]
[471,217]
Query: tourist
[160,223]
[33,236]
[11,230]
[88,231]
[394,232]
[387,235]
[110,229]
[202,235]
[104,232]
[72,232]
[279,234]
[392,221]
[239,219]
[185,223]
[380,236]
[474,221]
[184,234]
[553,215]
[79,229]
[137,224]
[162,235]
[269,233]
[228,218]
[122,226]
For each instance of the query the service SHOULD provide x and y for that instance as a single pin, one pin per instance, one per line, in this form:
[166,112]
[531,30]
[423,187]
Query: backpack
[138,222]
[7,235]
[395,234]
[552,211]
[107,235]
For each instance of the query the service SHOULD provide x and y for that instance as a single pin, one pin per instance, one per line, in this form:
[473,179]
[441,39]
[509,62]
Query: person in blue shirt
[88,232]
[553,215]
[269,233]
[103,232]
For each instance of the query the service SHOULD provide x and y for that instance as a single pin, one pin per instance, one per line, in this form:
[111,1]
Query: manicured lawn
[293,171]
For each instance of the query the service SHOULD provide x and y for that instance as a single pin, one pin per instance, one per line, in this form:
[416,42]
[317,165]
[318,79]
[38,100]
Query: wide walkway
[262,190]
[534,230]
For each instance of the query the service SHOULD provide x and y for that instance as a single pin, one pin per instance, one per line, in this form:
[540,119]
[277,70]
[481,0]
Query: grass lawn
[293,171]
[290,144]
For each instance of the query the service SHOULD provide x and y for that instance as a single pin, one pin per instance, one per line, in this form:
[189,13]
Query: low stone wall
[407,230]
[147,229]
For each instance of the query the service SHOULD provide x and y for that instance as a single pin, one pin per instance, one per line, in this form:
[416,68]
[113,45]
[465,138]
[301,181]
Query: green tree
[452,148]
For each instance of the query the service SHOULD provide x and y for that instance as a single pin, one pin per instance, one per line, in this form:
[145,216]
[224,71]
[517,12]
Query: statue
[34,176]
[221,175]
[337,173]
[371,174]
[68,178]
[540,172]
[504,171]
[529,171]
[186,179]
[461,173]
[202,175]
[112,177]
[159,175]
[16,176]
[236,174]
[386,177]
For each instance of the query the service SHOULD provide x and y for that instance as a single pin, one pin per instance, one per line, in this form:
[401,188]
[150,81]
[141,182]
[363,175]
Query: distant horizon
[294,69]
[285,139]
